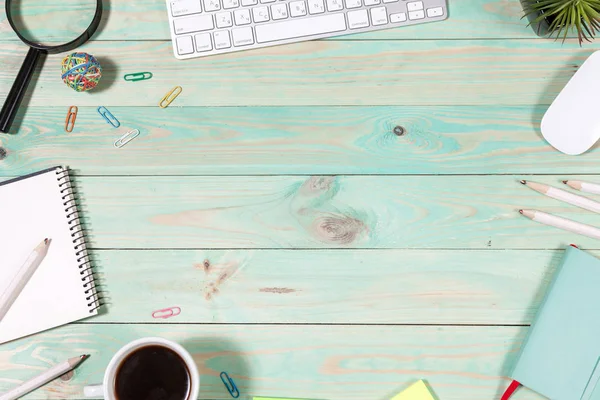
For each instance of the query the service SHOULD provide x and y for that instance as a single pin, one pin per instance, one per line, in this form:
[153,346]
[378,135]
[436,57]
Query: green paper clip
[138,76]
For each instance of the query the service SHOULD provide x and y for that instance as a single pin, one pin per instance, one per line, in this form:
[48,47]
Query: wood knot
[317,184]
[278,290]
[399,130]
[3,153]
[67,376]
[339,229]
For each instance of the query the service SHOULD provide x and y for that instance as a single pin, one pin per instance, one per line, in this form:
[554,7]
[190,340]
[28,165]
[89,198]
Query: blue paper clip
[230,385]
[108,117]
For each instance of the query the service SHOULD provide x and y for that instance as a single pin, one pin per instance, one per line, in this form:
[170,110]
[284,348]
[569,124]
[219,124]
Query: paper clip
[166,312]
[169,97]
[70,120]
[230,385]
[138,76]
[108,117]
[126,138]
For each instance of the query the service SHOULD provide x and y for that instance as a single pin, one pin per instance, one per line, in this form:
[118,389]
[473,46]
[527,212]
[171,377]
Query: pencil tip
[46,241]
[520,211]
[84,357]
[523,182]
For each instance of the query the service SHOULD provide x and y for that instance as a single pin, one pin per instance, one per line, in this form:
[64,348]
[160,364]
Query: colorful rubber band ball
[81,71]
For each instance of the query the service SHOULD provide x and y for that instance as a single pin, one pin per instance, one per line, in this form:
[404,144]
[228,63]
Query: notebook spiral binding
[71,202]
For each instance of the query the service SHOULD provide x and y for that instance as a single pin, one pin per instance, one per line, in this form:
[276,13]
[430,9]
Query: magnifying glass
[47,27]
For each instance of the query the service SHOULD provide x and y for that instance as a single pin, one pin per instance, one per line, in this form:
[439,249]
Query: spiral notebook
[34,207]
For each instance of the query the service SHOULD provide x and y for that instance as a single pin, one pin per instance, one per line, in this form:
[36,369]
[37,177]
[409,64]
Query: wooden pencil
[584,186]
[563,195]
[43,378]
[22,276]
[562,223]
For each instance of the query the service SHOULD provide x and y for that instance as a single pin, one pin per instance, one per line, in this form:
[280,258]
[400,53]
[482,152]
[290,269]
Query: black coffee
[152,373]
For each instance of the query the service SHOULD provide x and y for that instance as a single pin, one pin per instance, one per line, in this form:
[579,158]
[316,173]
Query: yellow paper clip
[169,97]
[126,138]
[70,120]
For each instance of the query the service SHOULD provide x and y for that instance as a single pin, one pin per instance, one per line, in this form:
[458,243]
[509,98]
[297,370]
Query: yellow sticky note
[417,391]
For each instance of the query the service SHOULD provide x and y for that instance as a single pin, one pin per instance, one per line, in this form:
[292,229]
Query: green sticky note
[273,398]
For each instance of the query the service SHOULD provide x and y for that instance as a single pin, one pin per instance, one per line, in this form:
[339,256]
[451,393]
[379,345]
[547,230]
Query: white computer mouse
[572,123]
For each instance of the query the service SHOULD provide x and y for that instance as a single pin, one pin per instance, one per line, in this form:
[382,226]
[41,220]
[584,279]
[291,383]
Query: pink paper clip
[166,312]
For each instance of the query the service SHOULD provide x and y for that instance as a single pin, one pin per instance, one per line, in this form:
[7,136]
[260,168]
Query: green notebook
[560,356]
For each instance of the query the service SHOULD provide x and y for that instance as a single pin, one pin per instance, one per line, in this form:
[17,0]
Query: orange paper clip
[166,312]
[70,120]
[169,97]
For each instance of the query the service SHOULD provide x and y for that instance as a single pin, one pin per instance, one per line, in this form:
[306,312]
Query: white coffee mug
[106,390]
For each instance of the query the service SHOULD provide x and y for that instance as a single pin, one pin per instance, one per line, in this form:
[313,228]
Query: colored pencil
[563,195]
[562,223]
[43,378]
[584,186]
[22,276]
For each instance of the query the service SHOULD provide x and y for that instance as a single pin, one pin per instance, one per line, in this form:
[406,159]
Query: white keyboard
[206,27]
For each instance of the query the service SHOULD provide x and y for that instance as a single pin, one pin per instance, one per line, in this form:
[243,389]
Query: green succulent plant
[583,16]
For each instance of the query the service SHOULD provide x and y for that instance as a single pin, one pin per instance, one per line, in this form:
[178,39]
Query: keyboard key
[222,40]
[416,15]
[435,12]
[353,4]
[395,18]
[297,9]
[358,19]
[260,14]
[334,5]
[414,6]
[203,42]
[267,1]
[223,20]
[242,17]
[197,23]
[316,6]
[242,36]
[279,11]
[297,28]
[185,45]
[229,4]
[185,7]
[378,16]
[247,3]
[371,2]
[390,1]
[212,5]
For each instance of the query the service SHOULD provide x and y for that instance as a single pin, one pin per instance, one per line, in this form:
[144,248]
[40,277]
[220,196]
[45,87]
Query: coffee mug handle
[94,391]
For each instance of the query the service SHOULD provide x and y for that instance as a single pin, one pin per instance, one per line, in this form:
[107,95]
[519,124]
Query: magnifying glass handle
[19,87]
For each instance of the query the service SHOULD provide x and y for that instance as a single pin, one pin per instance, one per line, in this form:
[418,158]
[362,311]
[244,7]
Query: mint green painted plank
[332,286]
[147,20]
[312,362]
[414,72]
[323,212]
[294,140]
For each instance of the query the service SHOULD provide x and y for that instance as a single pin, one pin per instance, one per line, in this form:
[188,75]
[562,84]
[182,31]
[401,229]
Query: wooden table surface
[313,252]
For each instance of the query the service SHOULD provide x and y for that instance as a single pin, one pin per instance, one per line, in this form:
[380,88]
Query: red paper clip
[510,390]
[166,312]
[70,120]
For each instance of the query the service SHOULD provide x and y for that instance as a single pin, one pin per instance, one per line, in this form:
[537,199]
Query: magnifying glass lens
[52,22]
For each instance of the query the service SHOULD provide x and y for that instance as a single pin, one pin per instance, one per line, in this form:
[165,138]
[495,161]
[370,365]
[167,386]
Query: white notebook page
[32,209]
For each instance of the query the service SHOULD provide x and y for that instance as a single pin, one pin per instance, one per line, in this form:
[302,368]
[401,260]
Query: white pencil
[22,276]
[584,186]
[43,378]
[562,223]
[565,196]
